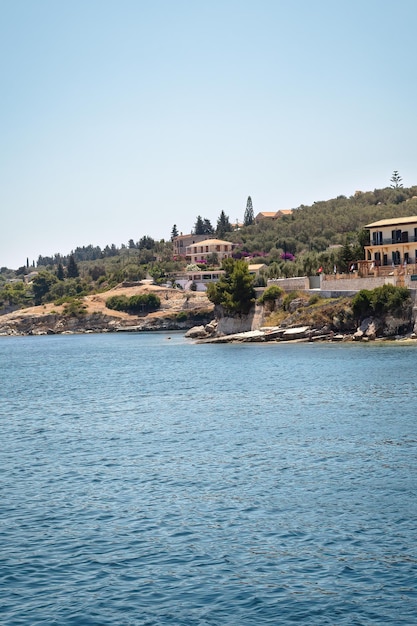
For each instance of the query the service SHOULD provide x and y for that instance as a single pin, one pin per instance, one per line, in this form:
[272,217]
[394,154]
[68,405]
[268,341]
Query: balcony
[394,241]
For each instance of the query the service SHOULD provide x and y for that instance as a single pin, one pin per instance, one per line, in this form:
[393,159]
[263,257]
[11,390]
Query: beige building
[393,242]
[201,250]
[181,242]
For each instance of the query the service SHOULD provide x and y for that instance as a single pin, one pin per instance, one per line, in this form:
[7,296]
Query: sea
[148,480]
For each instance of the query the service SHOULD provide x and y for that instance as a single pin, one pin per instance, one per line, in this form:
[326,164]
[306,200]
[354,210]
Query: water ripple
[153,482]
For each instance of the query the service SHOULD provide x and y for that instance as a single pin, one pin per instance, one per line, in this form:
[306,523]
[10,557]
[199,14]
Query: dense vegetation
[328,235]
[380,301]
[144,303]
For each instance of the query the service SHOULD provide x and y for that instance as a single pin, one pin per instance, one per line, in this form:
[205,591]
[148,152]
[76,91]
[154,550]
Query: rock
[295,304]
[296,333]
[211,327]
[197,332]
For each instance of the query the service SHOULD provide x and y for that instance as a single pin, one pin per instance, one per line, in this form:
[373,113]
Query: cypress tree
[72,268]
[60,272]
[249,217]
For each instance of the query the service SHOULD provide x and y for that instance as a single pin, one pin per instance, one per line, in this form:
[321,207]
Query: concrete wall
[239,323]
[290,284]
[355,283]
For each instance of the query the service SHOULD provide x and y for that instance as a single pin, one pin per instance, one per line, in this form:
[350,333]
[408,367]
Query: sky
[121,118]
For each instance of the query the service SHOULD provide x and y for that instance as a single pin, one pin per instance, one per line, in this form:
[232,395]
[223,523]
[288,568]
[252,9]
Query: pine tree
[249,217]
[72,268]
[223,225]
[234,291]
[174,232]
[396,180]
[208,228]
[199,226]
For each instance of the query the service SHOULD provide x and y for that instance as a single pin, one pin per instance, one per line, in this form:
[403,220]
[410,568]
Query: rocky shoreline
[194,315]
[365,333]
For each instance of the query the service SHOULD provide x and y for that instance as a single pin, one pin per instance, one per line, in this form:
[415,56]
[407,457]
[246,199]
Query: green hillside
[327,234]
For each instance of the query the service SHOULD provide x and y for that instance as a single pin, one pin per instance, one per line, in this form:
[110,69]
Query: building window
[396,236]
[396,258]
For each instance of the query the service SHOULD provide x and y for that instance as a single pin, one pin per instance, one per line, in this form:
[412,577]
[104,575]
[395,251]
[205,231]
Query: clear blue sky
[120,118]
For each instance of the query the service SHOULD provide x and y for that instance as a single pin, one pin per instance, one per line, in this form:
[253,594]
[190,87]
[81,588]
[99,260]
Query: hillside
[328,222]
[328,234]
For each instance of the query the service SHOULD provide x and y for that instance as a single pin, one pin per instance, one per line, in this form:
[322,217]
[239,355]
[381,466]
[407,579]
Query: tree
[208,228]
[60,272]
[346,256]
[174,232]
[42,284]
[146,243]
[223,225]
[396,180]
[72,268]
[213,259]
[199,226]
[249,217]
[234,291]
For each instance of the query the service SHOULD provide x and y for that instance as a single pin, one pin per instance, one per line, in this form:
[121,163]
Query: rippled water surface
[148,480]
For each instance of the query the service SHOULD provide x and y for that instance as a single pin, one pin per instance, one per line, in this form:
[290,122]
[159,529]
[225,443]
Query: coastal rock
[299,332]
[211,328]
[396,325]
[295,304]
[197,332]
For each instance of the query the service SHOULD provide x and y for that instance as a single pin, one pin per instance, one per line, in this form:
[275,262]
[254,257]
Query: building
[199,279]
[393,242]
[202,250]
[181,242]
[272,215]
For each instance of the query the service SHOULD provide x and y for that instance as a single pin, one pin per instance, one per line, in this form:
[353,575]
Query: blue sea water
[147,480]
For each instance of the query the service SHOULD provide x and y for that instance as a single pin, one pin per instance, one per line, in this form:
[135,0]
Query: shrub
[117,303]
[289,298]
[74,308]
[135,304]
[271,293]
[314,299]
[379,301]
[143,302]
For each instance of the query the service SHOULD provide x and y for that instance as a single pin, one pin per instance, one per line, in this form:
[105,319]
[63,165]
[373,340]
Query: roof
[393,221]
[267,214]
[255,267]
[210,242]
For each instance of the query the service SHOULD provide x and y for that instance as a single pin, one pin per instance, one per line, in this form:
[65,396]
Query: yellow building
[392,242]
[203,249]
